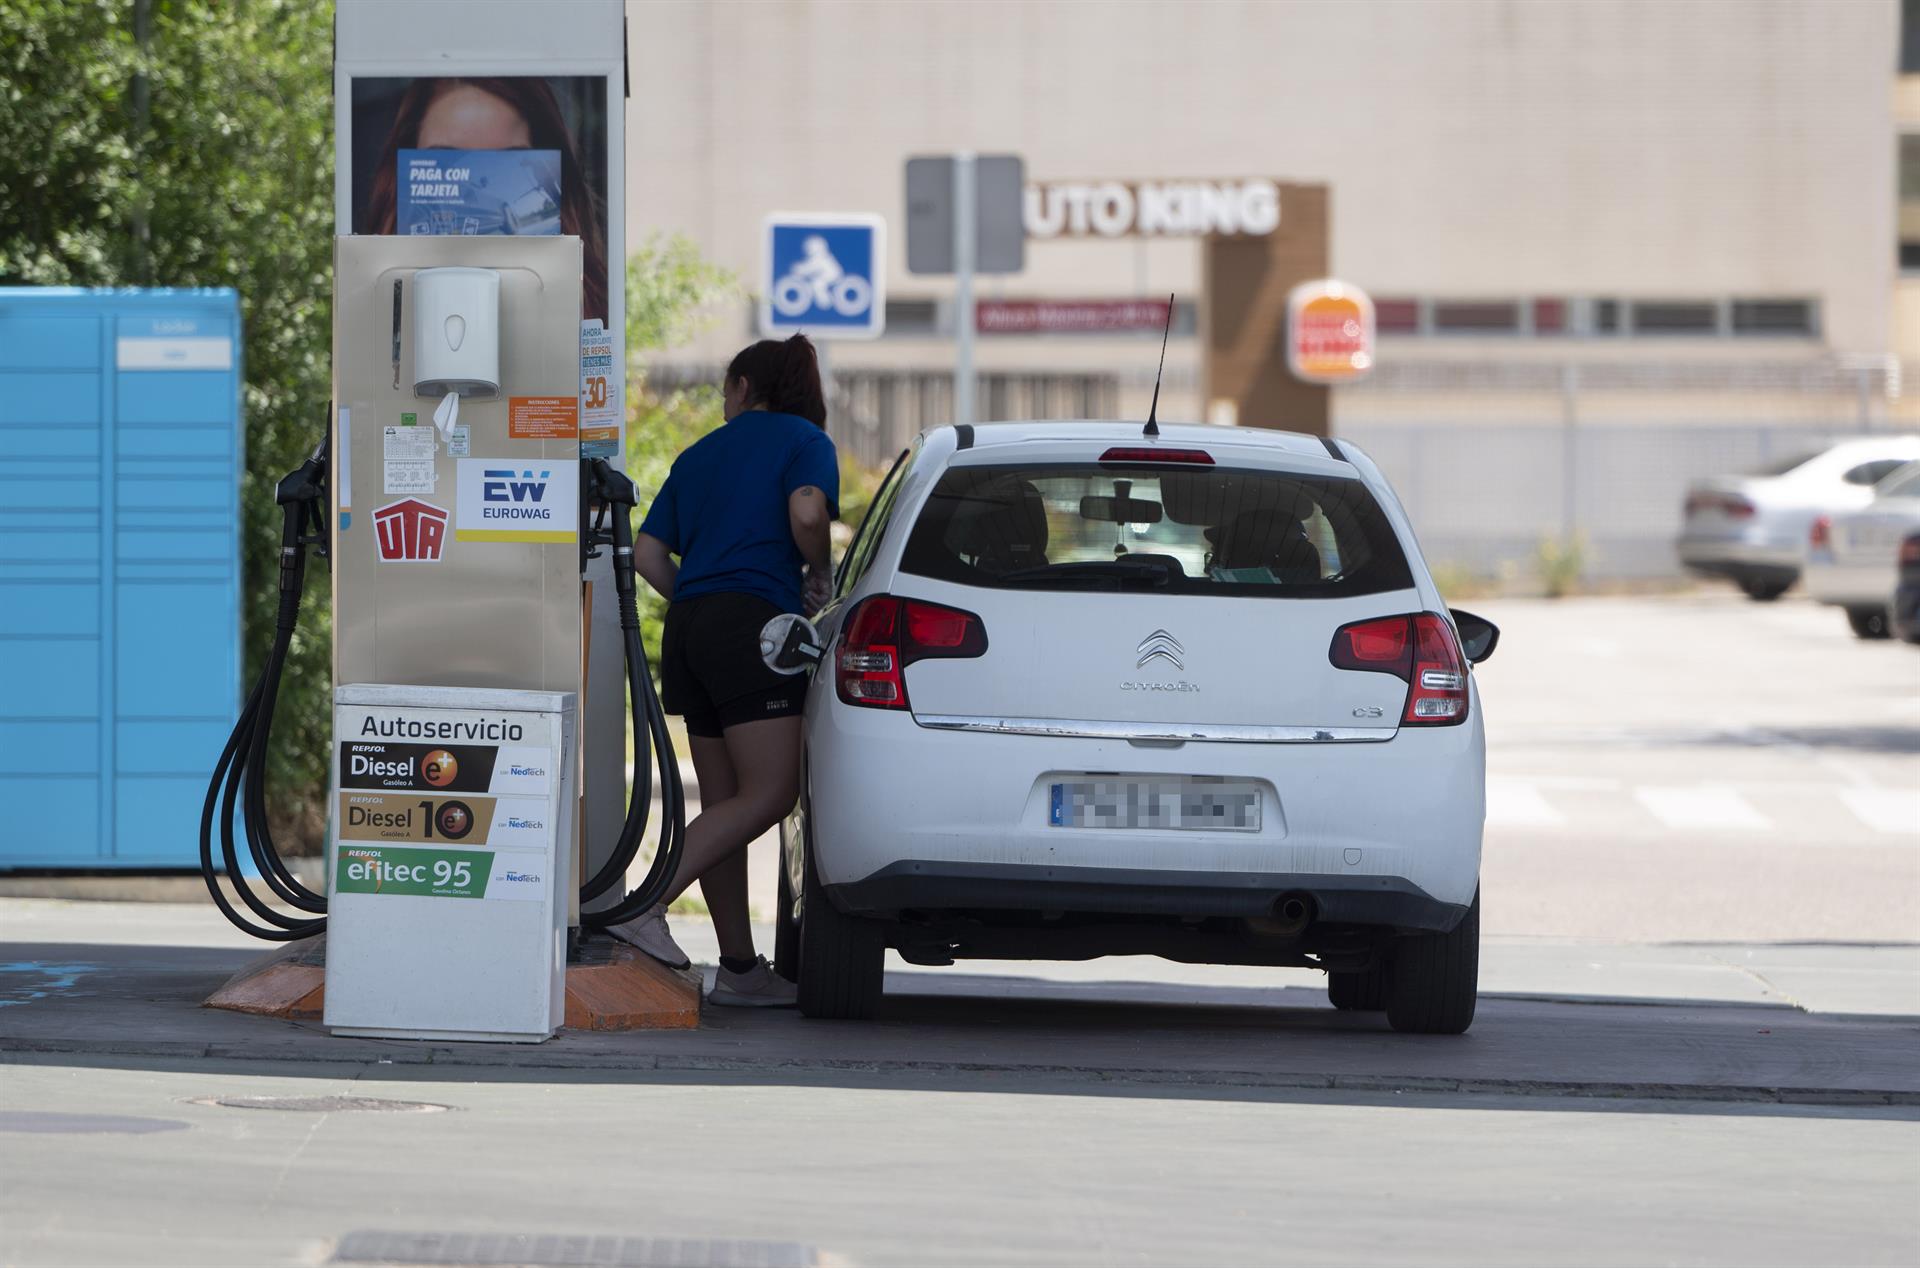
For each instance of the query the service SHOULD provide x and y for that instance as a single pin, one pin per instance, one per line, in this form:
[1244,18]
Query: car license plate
[1167,803]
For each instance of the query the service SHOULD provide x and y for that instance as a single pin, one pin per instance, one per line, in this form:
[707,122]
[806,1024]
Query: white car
[1853,558]
[1753,529]
[1093,692]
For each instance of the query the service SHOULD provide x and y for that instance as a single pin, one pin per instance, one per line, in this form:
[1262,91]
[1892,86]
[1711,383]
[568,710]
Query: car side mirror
[1478,635]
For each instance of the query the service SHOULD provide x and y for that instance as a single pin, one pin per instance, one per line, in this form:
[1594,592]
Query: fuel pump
[458,542]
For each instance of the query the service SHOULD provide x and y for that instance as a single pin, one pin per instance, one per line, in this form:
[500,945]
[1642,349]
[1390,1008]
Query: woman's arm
[809,517]
[651,561]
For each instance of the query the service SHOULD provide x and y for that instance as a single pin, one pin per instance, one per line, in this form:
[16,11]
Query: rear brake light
[1730,505]
[885,634]
[1193,457]
[1821,534]
[1421,650]
[1910,550]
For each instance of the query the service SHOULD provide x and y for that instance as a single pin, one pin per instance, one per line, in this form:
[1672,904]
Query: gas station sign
[1329,332]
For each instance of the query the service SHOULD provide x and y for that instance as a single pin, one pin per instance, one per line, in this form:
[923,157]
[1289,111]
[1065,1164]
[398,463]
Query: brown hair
[546,130]
[785,374]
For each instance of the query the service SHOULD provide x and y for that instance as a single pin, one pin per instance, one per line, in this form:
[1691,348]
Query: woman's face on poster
[469,118]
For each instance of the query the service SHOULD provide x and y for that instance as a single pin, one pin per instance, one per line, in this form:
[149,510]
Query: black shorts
[710,667]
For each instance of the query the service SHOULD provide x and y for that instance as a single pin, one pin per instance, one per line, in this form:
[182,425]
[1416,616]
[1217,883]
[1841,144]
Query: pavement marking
[1515,803]
[1885,809]
[1708,807]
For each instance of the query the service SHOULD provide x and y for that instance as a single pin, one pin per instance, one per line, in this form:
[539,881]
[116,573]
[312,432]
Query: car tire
[842,958]
[1364,991]
[786,930]
[1868,622]
[1763,591]
[1435,979]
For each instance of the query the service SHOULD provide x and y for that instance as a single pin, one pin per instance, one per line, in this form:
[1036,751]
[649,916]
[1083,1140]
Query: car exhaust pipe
[1292,913]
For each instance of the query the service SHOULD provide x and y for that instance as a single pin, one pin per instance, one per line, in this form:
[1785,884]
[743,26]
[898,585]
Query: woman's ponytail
[785,375]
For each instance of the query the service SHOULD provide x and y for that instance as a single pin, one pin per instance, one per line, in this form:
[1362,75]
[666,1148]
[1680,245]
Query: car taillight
[1729,505]
[885,634]
[1192,457]
[1421,650]
[1910,551]
[1821,534]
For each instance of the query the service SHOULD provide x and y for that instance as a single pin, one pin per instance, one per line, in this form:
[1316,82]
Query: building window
[1675,317]
[1549,316]
[1396,316]
[1477,316]
[1910,37]
[1606,316]
[912,317]
[1773,317]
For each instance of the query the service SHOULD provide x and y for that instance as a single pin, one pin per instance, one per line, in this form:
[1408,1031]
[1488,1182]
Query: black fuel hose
[240,775]
[653,745]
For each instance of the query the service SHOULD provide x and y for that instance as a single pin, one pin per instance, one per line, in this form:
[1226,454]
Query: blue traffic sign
[825,276]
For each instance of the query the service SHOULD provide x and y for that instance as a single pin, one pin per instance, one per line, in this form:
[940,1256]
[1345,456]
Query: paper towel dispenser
[456,333]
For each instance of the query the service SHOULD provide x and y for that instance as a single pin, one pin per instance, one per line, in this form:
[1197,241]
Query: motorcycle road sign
[824,275]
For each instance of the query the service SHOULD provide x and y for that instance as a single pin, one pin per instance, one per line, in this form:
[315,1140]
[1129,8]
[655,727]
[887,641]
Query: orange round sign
[1329,332]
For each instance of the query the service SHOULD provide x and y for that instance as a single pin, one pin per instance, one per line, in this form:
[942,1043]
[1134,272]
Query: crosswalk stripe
[1885,809]
[1515,803]
[1706,807]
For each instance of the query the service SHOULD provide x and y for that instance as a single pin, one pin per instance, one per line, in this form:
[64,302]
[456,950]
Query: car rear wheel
[1361,992]
[1761,590]
[842,957]
[1868,622]
[1435,979]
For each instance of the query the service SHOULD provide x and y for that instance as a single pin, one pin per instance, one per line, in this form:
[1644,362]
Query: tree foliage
[222,176]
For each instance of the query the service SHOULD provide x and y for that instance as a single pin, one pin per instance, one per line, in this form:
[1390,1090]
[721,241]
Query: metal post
[965,203]
[1569,426]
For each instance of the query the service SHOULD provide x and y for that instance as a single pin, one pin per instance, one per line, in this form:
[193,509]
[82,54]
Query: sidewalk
[1818,1025]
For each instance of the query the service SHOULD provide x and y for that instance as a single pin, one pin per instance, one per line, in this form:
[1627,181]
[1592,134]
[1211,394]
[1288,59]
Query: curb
[448,1059]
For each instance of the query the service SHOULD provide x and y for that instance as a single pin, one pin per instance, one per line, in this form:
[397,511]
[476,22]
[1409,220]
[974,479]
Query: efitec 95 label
[380,869]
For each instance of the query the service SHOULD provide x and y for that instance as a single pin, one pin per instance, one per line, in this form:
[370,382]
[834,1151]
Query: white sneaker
[758,987]
[648,931]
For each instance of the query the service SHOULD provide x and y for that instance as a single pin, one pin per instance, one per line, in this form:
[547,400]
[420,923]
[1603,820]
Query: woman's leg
[723,885]
[766,762]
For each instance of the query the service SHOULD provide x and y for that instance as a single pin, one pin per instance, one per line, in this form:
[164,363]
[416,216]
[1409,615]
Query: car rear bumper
[914,810]
[916,885]
[1741,559]
[1846,584]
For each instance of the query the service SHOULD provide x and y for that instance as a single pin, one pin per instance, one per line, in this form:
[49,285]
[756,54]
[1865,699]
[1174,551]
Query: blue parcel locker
[120,460]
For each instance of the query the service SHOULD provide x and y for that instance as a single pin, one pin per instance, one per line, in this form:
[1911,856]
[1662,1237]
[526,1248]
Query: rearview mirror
[1478,635]
[1120,510]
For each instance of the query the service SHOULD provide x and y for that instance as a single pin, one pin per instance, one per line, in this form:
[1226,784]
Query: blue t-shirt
[723,509]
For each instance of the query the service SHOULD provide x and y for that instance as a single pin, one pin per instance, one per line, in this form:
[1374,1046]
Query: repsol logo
[405,728]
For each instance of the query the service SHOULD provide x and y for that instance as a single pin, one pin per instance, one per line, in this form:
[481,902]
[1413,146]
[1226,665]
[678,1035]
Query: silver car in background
[1853,559]
[1752,530]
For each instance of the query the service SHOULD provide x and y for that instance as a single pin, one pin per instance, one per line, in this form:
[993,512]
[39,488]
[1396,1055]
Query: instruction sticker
[543,417]
[400,444]
[460,444]
[409,475]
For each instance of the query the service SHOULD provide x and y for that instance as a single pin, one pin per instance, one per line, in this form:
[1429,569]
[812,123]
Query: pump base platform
[614,987]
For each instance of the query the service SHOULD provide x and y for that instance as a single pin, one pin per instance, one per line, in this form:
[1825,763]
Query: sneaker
[648,931]
[758,987]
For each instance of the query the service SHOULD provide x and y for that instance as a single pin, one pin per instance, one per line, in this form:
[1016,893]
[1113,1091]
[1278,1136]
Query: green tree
[189,143]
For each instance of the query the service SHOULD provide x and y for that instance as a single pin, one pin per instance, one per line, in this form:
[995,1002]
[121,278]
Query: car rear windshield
[1214,531]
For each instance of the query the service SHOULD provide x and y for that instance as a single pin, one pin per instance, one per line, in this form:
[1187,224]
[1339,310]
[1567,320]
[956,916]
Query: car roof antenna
[1152,428]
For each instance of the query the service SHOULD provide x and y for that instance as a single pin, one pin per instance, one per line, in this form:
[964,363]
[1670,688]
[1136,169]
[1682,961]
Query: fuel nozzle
[613,496]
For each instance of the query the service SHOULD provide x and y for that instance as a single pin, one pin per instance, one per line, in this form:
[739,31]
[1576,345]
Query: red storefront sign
[1069,316]
[1329,332]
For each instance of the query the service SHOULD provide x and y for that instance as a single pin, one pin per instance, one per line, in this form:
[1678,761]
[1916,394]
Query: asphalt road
[959,1169]
[1684,794]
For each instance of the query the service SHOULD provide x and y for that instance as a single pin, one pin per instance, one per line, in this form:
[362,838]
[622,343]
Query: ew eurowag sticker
[517,500]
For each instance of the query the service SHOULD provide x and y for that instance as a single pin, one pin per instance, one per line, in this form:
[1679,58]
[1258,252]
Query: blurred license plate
[1177,803]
